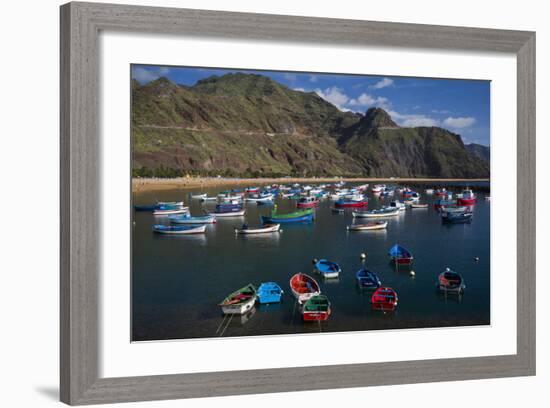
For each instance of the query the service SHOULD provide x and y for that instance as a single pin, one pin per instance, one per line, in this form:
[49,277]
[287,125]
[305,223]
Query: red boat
[307,202]
[468,198]
[350,204]
[304,287]
[384,299]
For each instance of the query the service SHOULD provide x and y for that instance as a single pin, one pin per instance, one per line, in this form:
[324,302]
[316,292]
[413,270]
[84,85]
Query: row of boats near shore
[231,204]
[315,306]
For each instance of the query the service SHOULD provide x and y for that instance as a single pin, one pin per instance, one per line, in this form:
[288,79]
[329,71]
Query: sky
[461,106]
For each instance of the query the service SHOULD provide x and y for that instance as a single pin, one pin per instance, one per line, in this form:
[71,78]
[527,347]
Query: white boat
[188,219]
[209,198]
[239,213]
[398,204]
[259,198]
[262,230]
[460,209]
[384,212]
[369,226]
[172,211]
[240,301]
[199,196]
[416,205]
[429,191]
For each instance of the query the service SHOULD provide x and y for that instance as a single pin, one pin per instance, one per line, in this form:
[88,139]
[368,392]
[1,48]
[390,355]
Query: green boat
[316,308]
[297,216]
[240,301]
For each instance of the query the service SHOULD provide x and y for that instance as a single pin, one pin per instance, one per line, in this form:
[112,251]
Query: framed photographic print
[285,196]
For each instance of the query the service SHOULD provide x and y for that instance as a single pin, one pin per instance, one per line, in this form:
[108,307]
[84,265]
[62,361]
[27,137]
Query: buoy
[314,261]
[447,269]
[476,258]
[412,273]
[363,255]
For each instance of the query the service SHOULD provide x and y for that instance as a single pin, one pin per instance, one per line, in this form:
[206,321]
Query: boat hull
[276,220]
[228,214]
[273,228]
[239,309]
[315,316]
[466,201]
[360,214]
[312,204]
[358,204]
[368,227]
[196,230]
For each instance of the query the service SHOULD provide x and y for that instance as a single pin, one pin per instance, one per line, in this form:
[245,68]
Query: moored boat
[400,255]
[415,205]
[188,219]
[240,301]
[367,279]
[383,212]
[457,217]
[467,198]
[170,210]
[449,281]
[384,299]
[316,308]
[342,203]
[179,229]
[307,202]
[297,216]
[231,213]
[369,226]
[328,269]
[267,228]
[259,198]
[269,292]
[304,287]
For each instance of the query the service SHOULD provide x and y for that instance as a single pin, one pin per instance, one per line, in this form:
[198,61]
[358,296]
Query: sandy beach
[197,183]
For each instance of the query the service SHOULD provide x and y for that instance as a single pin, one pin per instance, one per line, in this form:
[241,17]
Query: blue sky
[462,106]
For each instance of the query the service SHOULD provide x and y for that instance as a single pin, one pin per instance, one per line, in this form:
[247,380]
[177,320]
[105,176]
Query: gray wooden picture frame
[81,24]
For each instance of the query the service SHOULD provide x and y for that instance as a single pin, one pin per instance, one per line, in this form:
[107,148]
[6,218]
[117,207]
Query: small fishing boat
[383,212]
[179,229]
[304,287]
[170,210]
[457,217]
[245,229]
[232,213]
[384,299]
[369,226]
[252,189]
[240,301]
[341,203]
[317,308]
[400,255]
[297,216]
[398,204]
[449,281]
[429,191]
[453,209]
[188,219]
[415,205]
[307,202]
[199,196]
[328,269]
[259,198]
[367,279]
[467,198]
[269,292]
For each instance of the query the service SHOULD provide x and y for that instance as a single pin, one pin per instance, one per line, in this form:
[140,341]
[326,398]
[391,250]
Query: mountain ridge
[250,125]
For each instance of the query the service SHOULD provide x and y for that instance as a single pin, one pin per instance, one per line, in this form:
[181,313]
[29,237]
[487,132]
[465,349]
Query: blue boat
[228,207]
[400,255]
[179,229]
[328,269]
[188,219]
[367,279]
[269,292]
[155,207]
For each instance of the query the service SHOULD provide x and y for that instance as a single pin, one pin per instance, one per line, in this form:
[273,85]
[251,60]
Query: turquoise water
[177,281]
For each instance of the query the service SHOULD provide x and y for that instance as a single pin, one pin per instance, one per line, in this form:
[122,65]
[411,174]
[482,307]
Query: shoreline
[140,185]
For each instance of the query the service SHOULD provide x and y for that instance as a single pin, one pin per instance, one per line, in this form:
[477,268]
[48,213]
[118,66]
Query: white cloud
[334,95]
[383,83]
[412,120]
[367,100]
[313,78]
[459,123]
[442,111]
[144,75]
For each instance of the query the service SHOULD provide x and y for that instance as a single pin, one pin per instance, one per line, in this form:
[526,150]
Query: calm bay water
[177,281]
